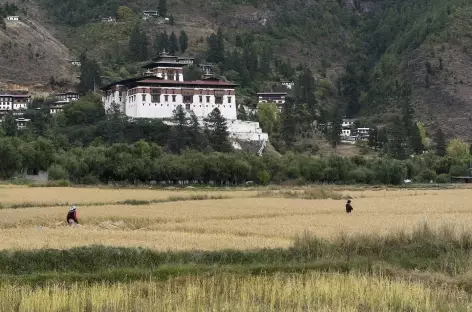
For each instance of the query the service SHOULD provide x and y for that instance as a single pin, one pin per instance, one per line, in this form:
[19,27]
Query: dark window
[144,97]
[218,99]
[188,99]
[166,98]
[187,106]
[229,99]
[155,97]
[200,99]
[208,99]
[174,97]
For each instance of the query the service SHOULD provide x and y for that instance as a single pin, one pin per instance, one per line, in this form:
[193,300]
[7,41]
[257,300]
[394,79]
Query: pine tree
[288,122]
[416,141]
[9,125]
[440,139]
[398,140]
[162,7]
[212,55]
[336,124]
[183,41]
[221,45]
[217,131]
[90,77]
[242,115]
[135,45]
[143,51]
[216,48]
[197,140]
[174,44]
[164,42]
[180,132]
[373,138]
[305,90]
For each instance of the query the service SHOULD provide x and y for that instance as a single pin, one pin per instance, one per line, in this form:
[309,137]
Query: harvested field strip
[111,234]
[132,202]
[49,196]
[283,292]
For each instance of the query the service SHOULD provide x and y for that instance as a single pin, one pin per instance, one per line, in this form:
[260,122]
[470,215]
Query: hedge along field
[262,219]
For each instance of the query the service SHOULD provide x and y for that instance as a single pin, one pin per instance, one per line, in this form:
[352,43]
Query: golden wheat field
[283,292]
[243,219]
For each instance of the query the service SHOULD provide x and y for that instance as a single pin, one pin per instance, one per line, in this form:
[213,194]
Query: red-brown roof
[15,95]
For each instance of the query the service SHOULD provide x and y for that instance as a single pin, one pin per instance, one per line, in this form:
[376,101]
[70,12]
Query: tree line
[143,162]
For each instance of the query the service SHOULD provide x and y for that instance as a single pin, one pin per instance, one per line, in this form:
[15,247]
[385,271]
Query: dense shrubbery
[143,162]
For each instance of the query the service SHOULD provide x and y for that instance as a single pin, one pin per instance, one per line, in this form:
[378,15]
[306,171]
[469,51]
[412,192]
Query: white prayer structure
[162,89]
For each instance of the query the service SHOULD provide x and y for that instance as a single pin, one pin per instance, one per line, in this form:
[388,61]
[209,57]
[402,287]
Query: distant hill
[376,53]
[31,55]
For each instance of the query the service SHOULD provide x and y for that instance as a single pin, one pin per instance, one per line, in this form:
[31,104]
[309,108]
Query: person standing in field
[72,216]
[349,207]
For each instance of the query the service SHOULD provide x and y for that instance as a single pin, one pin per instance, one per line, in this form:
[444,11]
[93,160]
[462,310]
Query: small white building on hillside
[68,96]
[287,84]
[13,18]
[108,19]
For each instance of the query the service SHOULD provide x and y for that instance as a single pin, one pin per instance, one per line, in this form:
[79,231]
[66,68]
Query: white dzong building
[162,89]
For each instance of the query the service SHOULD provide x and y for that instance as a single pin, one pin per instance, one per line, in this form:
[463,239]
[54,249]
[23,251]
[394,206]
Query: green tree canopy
[162,7]
[124,14]
[217,131]
[87,110]
[458,149]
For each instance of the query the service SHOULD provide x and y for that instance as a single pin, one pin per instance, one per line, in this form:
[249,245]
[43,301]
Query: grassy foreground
[282,292]
[424,270]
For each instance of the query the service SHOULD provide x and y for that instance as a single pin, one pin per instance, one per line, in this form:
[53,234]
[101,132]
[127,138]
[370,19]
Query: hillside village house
[22,123]
[68,96]
[272,97]
[13,18]
[207,69]
[351,134]
[108,19]
[162,89]
[63,99]
[287,84]
[75,63]
[13,102]
[150,14]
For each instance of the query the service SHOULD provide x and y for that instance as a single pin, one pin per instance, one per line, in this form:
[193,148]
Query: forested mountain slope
[376,54]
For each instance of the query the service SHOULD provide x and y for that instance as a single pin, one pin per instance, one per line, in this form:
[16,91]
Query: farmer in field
[349,207]
[72,216]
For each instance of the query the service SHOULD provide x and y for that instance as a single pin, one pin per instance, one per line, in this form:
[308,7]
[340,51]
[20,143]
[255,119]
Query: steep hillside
[440,75]
[378,54]
[30,55]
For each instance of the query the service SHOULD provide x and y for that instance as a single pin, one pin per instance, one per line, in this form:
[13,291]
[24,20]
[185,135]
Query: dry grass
[58,195]
[283,292]
[249,221]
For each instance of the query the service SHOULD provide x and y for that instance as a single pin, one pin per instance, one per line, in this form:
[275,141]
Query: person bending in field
[72,216]
[349,207]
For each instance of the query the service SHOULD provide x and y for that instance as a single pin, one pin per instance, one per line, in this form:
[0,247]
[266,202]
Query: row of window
[187,106]
[155,98]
